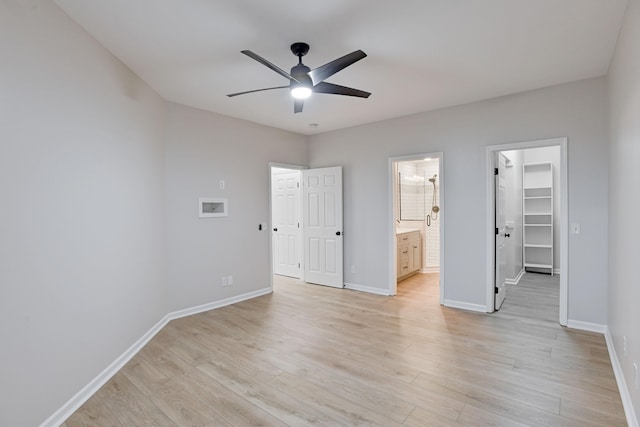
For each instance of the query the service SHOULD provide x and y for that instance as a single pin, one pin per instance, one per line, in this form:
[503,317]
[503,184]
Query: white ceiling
[422,54]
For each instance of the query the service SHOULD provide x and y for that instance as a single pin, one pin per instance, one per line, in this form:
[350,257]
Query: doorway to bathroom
[416,230]
[527,230]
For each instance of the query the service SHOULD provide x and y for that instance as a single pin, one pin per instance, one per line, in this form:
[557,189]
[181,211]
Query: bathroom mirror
[411,194]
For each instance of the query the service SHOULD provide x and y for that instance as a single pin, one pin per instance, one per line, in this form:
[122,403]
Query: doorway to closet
[528,216]
[417,224]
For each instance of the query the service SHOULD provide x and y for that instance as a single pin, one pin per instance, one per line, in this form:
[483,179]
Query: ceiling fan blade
[256,90]
[297,105]
[266,63]
[330,68]
[324,87]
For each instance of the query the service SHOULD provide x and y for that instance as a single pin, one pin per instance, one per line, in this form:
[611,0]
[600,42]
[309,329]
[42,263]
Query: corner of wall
[627,402]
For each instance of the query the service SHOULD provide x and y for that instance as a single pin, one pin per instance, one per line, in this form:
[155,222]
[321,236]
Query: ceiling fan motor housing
[299,72]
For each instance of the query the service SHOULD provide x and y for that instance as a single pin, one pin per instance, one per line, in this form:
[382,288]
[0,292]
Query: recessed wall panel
[314,210]
[330,210]
[330,256]
[314,255]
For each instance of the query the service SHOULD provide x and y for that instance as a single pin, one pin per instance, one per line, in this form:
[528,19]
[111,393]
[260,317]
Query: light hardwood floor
[309,354]
[535,298]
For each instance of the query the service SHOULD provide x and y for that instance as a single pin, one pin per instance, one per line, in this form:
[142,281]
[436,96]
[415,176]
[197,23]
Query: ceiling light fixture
[300,92]
[303,81]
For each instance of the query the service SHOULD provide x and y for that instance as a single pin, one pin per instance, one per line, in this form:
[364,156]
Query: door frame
[270,223]
[564,219]
[391,230]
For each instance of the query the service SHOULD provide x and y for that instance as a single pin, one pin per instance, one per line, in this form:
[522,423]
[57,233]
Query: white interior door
[287,240]
[322,226]
[501,231]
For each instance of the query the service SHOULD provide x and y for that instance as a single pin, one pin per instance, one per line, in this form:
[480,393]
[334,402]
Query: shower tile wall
[423,194]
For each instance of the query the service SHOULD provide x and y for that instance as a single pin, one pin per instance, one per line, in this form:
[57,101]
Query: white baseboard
[217,304]
[556,271]
[627,403]
[516,280]
[94,385]
[368,289]
[427,270]
[465,306]
[587,326]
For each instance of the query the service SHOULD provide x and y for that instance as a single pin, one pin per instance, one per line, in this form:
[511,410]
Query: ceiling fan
[303,81]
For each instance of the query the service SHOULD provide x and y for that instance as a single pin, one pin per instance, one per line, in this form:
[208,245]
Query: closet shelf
[537,213]
[527,264]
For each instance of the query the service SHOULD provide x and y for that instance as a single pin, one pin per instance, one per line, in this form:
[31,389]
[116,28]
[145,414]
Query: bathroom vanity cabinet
[409,244]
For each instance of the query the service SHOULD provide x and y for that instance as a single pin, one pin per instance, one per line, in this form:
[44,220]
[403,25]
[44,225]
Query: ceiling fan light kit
[301,92]
[303,81]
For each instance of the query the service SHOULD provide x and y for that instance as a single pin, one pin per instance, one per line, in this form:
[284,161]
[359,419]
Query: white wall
[82,211]
[624,197]
[201,149]
[575,110]
[552,155]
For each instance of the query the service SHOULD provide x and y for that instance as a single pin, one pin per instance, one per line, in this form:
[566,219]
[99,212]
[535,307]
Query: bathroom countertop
[404,230]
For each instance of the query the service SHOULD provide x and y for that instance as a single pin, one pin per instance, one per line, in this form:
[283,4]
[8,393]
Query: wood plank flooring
[310,354]
[535,298]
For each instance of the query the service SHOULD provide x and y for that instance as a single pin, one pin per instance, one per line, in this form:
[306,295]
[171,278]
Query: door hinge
[298,265]
[497,231]
[495,171]
[298,184]
[497,290]
[298,225]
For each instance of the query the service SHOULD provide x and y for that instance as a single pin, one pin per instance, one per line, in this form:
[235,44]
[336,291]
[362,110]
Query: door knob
[338,233]
[275,229]
[507,235]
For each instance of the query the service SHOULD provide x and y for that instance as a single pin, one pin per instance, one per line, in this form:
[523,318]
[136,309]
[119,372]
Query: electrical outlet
[221,184]
[223,281]
[624,346]
[230,280]
[575,228]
